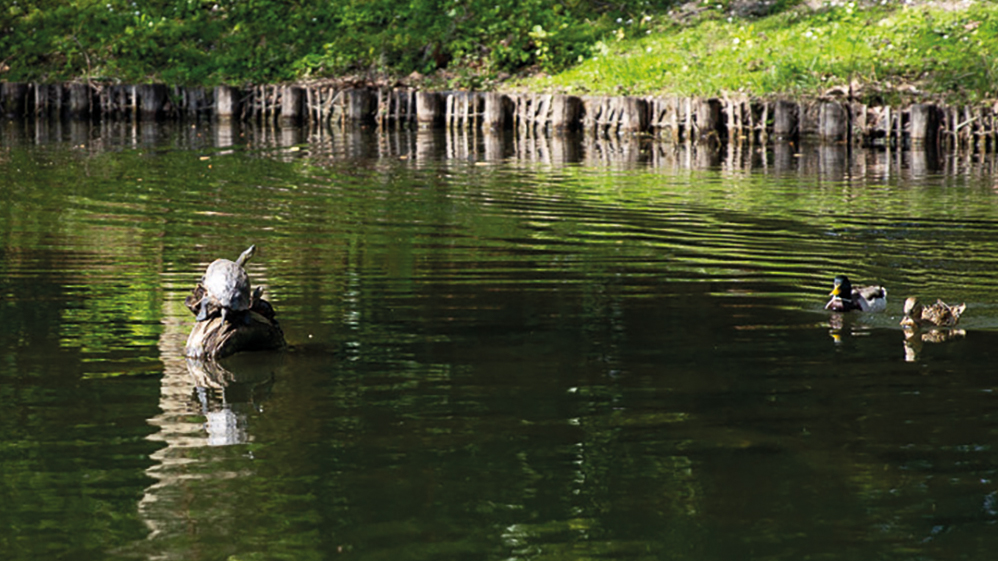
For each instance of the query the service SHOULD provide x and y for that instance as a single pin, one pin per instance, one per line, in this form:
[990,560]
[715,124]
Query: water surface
[503,348]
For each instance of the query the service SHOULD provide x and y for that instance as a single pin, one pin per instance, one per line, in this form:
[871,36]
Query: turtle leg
[203,314]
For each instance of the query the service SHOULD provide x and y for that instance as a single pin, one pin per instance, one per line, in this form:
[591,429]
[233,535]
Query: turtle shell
[227,285]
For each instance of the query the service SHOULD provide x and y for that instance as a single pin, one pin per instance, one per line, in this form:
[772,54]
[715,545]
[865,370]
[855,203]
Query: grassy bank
[888,49]
[885,50]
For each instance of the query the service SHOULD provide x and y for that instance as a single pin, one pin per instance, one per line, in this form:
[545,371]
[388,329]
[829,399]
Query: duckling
[864,298]
[939,314]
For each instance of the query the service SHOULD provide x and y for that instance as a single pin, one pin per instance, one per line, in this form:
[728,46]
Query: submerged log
[218,338]
[222,335]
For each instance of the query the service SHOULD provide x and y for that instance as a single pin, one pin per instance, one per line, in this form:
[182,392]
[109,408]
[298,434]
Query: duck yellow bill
[835,291]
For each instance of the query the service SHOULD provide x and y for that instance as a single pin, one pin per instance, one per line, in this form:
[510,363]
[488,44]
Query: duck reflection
[915,337]
[842,325]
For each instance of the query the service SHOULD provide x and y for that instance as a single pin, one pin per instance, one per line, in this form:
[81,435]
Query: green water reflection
[503,348]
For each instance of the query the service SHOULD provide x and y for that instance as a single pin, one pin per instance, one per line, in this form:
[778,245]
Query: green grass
[886,51]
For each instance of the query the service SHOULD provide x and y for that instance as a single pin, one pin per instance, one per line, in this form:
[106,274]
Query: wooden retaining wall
[675,119]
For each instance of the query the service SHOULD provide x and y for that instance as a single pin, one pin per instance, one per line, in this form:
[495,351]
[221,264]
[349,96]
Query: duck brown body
[939,314]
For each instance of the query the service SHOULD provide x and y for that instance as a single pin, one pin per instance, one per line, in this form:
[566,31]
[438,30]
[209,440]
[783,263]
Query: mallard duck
[939,314]
[845,298]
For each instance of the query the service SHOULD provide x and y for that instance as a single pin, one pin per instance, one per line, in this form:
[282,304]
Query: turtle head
[246,255]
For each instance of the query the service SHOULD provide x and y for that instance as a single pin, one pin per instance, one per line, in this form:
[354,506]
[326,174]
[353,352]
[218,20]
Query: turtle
[261,306]
[224,288]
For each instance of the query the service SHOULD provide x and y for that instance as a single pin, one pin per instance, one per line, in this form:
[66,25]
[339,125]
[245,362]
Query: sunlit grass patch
[947,53]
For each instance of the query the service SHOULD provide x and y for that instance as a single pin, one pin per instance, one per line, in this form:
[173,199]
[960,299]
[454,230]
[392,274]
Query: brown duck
[939,314]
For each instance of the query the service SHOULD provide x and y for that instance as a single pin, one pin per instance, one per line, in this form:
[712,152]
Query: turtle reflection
[228,399]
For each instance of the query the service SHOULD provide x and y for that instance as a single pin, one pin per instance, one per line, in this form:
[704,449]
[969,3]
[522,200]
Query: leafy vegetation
[706,47]
[238,41]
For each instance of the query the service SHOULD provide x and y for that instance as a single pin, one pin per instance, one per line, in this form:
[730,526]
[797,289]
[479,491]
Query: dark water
[516,349]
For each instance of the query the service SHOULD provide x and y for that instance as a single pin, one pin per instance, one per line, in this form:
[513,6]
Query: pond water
[503,348]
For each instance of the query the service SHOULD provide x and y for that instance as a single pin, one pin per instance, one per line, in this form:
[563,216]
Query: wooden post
[924,124]
[428,109]
[734,120]
[674,120]
[42,107]
[860,123]
[542,112]
[475,108]
[152,98]
[14,99]
[496,111]
[832,122]
[382,106]
[291,105]
[786,120]
[226,103]
[565,113]
[79,101]
[357,105]
[633,115]
[709,123]
[454,108]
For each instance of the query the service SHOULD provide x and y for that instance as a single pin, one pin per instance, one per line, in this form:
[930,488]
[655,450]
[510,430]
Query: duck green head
[842,287]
